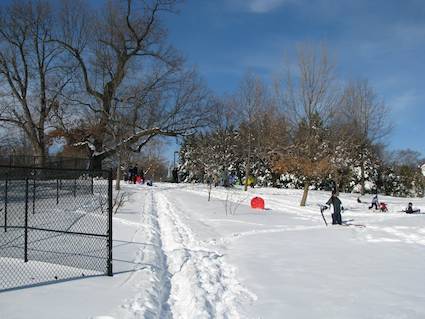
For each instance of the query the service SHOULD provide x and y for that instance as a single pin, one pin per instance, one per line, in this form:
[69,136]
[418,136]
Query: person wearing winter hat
[410,209]
[336,203]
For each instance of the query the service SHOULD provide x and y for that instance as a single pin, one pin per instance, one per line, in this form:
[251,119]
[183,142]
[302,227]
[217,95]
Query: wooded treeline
[101,81]
[306,131]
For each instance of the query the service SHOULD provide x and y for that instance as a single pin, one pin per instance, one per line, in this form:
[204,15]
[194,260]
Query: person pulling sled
[375,202]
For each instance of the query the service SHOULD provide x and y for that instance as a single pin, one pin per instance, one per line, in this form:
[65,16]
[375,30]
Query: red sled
[257,202]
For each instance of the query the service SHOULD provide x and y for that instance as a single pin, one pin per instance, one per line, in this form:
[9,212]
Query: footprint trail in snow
[186,279]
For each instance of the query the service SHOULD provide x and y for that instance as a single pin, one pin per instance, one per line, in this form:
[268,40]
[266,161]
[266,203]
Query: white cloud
[262,6]
[405,101]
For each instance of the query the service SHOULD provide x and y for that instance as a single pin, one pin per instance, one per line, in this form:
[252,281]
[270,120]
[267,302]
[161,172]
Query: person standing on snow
[135,173]
[130,175]
[142,175]
[336,203]
[175,175]
[375,202]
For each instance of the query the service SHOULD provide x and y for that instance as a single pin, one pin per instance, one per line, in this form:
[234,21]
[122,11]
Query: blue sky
[380,40]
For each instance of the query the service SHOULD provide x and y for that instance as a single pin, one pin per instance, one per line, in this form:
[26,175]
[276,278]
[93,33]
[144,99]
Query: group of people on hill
[135,175]
[383,206]
[336,203]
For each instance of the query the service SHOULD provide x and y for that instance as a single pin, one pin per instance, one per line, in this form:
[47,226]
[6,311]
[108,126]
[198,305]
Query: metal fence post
[75,187]
[26,222]
[33,196]
[57,192]
[92,183]
[6,182]
[110,224]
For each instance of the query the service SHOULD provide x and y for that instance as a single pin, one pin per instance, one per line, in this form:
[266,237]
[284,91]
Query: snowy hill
[178,255]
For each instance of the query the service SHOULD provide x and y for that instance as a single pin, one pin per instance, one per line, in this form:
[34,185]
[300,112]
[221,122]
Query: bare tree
[406,157]
[126,67]
[308,155]
[341,154]
[250,100]
[368,118]
[309,99]
[31,70]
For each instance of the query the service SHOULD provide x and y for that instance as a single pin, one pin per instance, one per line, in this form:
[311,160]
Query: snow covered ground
[176,255]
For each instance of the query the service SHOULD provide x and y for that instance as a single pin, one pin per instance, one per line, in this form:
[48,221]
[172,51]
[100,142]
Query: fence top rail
[88,170]
[50,157]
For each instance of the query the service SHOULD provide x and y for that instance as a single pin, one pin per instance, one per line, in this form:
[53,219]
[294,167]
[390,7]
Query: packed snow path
[189,280]
[178,255]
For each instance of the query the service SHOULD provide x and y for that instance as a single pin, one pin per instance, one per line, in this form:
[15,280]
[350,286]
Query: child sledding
[410,210]
[383,207]
[379,206]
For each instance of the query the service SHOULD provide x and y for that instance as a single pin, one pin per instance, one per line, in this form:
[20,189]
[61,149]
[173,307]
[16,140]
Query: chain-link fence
[55,224]
[48,161]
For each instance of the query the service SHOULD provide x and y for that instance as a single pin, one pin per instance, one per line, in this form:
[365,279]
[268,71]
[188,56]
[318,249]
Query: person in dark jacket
[130,175]
[175,175]
[135,173]
[410,209]
[336,203]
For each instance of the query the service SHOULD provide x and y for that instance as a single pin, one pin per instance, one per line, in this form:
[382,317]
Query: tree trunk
[118,181]
[248,162]
[40,155]
[305,193]
[339,184]
[362,178]
[247,173]
[239,175]
[96,163]
[337,188]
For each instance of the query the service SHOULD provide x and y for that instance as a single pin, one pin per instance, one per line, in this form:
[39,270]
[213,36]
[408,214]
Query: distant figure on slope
[135,173]
[359,200]
[336,203]
[175,175]
[410,210]
[375,202]
[251,181]
[142,175]
[130,175]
